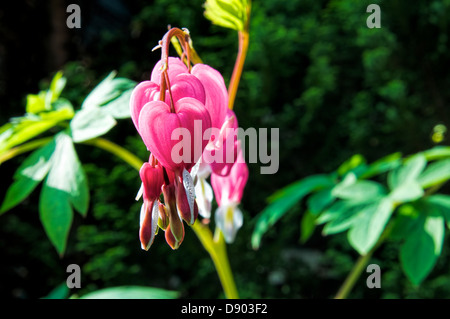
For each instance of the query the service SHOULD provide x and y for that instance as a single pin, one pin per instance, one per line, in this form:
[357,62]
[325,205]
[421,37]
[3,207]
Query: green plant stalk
[117,150]
[15,151]
[360,265]
[217,251]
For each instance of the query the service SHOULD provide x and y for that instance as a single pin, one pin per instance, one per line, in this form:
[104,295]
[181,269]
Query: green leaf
[407,192]
[318,201]
[65,186]
[285,199]
[119,108]
[27,127]
[89,123]
[436,173]
[307,226]
[228,14]
[355,161]
[383,165]
[437,152]
[408,172]
[367,227]
[30,173]
[360,191]
[441,203]
[107,90]
[36,103]
[131,292]
[59,292]
[421,249]
[57,85]
[342,221]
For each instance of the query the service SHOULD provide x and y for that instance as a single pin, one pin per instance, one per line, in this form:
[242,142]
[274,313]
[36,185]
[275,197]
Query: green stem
[217,251]
[15,151]
[117,150]
[359,266]
[353,276]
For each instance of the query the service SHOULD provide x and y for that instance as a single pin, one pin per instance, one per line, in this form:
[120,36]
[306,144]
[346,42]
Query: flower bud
[148,223]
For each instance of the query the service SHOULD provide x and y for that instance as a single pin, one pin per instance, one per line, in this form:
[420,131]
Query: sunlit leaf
[362,191]
[65,185]
[408,172]
[230,14]
[107,90]
[368,227]
[407,192]
[437,153]
[89,123]
[436,173]
[30,173]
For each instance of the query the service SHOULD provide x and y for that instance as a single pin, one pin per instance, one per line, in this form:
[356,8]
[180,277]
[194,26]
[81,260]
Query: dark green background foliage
[314,70]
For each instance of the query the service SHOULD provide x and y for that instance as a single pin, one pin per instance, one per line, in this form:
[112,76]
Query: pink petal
[157,123]
[152,179]
[186,85]
[216,92]
[175,67]
[143,93]
[230,188]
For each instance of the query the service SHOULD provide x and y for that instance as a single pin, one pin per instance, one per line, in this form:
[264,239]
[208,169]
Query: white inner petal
[140,192]
[189,187]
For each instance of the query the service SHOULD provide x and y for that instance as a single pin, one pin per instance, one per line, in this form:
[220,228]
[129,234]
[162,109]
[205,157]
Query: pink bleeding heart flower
[228,191]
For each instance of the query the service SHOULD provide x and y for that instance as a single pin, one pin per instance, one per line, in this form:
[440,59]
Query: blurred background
[333,86]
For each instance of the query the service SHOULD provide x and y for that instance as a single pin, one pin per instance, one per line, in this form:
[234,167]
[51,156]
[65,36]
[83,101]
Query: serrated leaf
[285,199]
[436,173]
[64,186]
[30,173]
[131,292]
[408,172]
[89,123]
[367,227]
[421,249]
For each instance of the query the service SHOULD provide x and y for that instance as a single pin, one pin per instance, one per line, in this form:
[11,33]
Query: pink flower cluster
[178,97]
